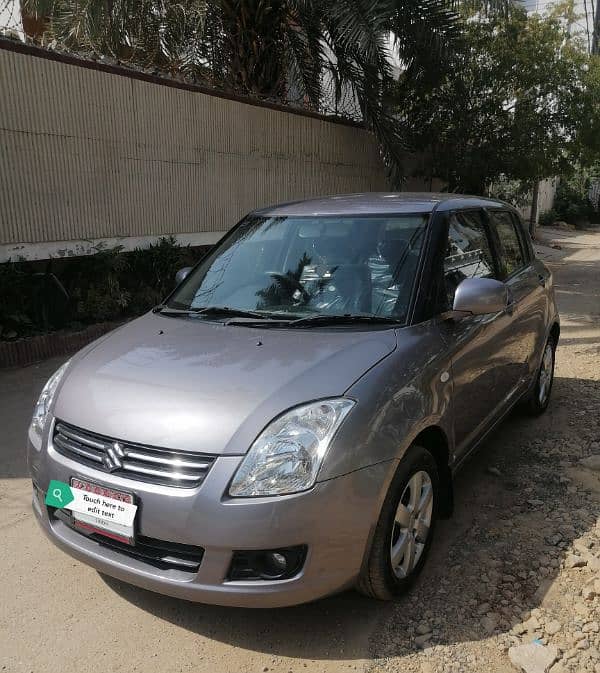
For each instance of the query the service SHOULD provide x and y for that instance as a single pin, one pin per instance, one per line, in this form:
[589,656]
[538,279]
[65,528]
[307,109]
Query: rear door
[526,283]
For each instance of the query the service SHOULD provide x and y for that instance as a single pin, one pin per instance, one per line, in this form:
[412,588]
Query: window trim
[491,235]
[523,234]
[442,240]
[499,252]
[425,278]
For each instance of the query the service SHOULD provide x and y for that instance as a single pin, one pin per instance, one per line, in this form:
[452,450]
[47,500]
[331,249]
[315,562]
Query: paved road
[56,614]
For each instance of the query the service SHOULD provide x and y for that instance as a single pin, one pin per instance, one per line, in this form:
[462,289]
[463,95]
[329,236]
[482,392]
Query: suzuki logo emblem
[113,457]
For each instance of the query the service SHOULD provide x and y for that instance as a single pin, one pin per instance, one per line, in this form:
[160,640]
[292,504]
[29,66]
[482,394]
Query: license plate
[103,510]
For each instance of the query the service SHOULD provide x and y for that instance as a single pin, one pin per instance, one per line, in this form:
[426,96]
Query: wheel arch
[434,439]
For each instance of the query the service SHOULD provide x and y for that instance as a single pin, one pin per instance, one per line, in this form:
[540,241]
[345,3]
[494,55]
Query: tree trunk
[252,32]
[533,218]
[34,26]
[596,33]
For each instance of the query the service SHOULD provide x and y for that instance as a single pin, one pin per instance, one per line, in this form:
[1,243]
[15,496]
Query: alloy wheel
[546,374]
[411,524]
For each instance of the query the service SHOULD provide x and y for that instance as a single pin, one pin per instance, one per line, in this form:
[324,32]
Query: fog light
[276,564]
[269,564]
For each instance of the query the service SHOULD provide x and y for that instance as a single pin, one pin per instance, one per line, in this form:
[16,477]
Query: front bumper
[334,520]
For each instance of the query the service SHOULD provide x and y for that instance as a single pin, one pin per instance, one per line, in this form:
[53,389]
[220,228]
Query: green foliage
[549,217]
[31,299]
[515,192]
[106,286]
[95,287]
[323,54]
[520,98]
[151,271]
[571,204]
[15,307]
[143,32]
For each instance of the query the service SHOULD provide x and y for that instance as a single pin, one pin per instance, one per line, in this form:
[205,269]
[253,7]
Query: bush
[571,205]
[548,218]
[151,271]
[15,307]
[32,300]
[108,285]
[95,286]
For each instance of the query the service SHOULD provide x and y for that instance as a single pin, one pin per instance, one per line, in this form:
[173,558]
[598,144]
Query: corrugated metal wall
[90,154]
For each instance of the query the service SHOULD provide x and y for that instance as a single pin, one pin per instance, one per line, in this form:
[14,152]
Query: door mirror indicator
[479,296]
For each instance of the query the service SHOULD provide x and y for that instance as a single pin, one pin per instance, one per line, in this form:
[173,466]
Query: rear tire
[538,398]
[405,528]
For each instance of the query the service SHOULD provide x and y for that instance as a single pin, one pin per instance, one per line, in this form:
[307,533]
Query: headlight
[40,414]
[287,455]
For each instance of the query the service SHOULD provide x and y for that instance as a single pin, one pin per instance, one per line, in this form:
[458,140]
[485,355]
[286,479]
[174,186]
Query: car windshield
[295,267]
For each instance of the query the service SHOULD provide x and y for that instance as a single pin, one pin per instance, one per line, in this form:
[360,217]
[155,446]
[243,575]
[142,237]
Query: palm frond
[339,56]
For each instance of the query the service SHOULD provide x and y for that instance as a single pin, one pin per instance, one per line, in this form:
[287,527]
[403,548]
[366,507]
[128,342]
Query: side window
[468,251]
[524,237]
[511,249]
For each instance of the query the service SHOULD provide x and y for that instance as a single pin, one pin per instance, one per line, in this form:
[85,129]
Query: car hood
[203,386]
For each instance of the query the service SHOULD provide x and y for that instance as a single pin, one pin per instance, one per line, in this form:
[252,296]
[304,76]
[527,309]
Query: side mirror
[182,274]
[478,296]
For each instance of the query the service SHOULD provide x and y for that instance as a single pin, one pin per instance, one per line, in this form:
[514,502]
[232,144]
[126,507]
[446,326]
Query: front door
[483,358]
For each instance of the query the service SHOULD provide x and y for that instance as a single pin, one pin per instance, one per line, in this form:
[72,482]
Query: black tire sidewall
[415,460]
[535,405]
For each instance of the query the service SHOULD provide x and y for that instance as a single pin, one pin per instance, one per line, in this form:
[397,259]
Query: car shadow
[515,516]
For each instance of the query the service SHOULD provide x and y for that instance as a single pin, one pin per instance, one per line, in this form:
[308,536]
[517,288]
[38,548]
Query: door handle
[542,279]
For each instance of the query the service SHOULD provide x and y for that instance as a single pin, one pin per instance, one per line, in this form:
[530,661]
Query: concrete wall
[92,156]
[546,196]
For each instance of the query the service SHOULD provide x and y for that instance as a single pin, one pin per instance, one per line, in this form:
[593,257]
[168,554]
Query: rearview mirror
[478,296]
[182,274]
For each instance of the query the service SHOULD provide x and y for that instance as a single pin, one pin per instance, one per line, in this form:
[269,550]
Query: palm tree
[146,33]
[284,50]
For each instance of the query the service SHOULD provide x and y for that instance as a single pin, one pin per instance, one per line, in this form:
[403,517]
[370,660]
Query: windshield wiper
[347,319]
[258,318]
[209,310]
[167,310]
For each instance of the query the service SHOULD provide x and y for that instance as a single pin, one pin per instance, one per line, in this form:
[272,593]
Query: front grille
[134,461]
[158,553]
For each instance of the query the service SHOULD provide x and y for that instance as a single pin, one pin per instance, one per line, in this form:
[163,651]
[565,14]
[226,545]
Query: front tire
[405,528]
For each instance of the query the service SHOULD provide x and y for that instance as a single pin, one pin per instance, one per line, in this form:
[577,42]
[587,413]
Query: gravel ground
[518,565]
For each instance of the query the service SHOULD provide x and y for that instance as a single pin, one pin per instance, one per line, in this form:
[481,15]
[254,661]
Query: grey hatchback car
[288,422]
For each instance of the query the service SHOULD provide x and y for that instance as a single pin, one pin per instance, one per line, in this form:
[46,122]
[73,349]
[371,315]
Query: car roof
[379,203]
